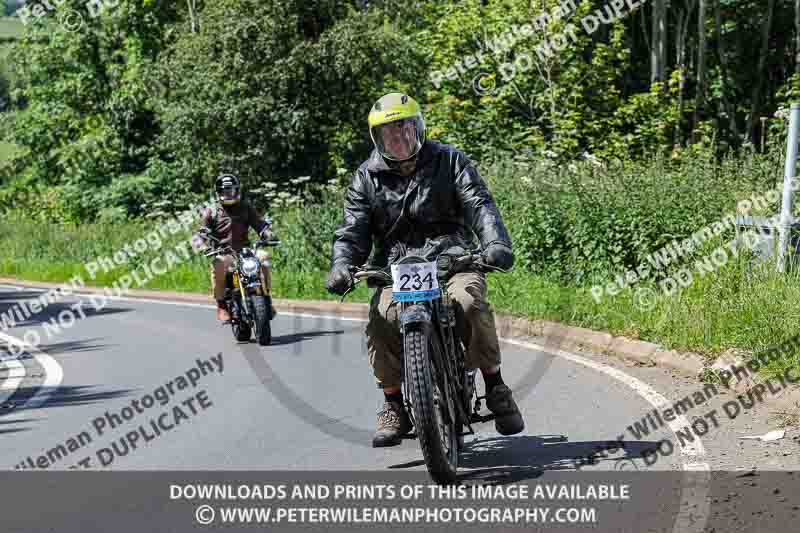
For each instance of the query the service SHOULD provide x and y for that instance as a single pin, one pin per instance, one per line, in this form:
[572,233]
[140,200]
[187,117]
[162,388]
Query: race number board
[414,282]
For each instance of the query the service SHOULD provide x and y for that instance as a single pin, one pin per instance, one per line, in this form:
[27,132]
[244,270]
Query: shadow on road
[61,396]
[14,295]
[84,345]
[14,430]
[302,336]
[52,311]
[56,348]
[503,460]
[6,422]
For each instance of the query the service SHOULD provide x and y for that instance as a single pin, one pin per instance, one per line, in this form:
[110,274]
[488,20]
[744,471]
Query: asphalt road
[307,402]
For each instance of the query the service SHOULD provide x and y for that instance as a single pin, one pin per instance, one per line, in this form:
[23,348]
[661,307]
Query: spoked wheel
[437,432]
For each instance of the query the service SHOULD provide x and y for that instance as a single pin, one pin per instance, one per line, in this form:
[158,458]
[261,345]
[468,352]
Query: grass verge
[739,306]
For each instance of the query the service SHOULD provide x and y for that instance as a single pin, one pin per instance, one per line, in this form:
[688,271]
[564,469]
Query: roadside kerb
[577,338]
[508,326]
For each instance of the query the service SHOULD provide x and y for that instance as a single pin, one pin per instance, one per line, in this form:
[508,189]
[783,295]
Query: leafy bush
[585,220]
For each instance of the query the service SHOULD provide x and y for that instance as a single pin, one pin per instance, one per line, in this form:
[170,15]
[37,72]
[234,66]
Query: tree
[192,9]
[797,35]
[700,93]
[276,90]
[680,47]
[726,92]
[4,90]
[659,48]
[762,61]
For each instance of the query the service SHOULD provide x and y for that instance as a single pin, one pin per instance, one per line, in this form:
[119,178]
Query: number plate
[415,281]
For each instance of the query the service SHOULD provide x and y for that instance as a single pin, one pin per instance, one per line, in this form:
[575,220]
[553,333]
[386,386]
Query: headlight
[250,266]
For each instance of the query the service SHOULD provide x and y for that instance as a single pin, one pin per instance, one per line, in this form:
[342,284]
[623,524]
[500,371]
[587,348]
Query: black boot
[508,419]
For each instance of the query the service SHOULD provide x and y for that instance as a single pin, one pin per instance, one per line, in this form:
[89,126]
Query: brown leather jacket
[230,224]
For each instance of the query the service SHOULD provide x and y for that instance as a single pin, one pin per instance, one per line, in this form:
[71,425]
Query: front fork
[266,274]
[237,283]
[266,287]
[463,390]
[425,316]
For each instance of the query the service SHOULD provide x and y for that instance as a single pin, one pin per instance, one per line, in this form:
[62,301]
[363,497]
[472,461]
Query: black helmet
[228,189]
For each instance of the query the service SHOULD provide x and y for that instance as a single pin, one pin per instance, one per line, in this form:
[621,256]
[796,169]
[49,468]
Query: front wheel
[241,329]
[436,431]
[261,312]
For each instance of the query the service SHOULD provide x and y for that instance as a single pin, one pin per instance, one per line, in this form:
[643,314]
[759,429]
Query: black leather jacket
[441,205]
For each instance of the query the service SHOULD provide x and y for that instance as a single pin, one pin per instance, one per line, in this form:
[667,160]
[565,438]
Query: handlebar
[360,274]
[384,274]
[365,272]
[227,248]
[219,251]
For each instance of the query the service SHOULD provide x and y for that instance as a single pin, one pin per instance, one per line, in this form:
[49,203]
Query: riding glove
[499,255]
[199,244]
[339,279]
[267,234]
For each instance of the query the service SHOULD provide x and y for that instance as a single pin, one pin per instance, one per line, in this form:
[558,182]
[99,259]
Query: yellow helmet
[396,126]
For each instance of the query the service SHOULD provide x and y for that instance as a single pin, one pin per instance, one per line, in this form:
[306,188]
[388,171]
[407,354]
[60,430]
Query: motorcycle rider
[229,222]
[412,193]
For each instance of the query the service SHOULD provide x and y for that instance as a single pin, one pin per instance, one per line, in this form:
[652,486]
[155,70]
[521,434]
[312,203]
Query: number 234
[418,281]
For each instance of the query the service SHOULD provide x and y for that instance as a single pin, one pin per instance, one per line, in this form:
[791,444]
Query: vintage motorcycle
[247,291]
[438,389]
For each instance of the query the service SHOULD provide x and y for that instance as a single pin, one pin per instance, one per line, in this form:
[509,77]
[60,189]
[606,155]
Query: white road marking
[16,373]
[53,373]
[692,449]
[694,506]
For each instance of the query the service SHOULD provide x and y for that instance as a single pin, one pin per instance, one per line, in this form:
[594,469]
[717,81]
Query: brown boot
[222,312]
[393,423]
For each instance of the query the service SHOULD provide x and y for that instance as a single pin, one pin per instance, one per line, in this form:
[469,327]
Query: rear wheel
[261,312]
[435,429]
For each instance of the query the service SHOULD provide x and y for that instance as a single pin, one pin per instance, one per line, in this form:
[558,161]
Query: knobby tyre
[261,311]
[241,329]
[436,433]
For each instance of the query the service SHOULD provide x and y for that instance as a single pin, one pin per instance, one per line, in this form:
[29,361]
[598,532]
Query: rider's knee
[221,263]
[469,303]
[383,310]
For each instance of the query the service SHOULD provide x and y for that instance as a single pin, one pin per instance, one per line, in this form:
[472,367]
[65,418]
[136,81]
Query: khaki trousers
[474,322]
